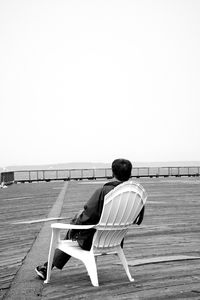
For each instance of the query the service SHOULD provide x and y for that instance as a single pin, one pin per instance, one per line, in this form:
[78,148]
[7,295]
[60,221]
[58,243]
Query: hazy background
[95,80]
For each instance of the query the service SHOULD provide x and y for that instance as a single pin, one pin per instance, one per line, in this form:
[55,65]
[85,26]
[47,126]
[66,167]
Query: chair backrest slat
[121,207]
[124,204]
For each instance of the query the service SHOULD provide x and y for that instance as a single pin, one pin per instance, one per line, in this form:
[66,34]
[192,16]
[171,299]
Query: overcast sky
[95,80]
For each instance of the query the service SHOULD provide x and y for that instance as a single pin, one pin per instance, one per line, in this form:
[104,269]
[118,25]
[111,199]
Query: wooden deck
[163,253]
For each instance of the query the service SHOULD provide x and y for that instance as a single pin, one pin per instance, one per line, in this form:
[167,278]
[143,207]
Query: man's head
[121,169]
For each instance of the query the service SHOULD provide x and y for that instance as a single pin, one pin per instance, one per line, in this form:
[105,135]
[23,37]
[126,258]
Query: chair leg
[53,243]
[92,269]
[125,264]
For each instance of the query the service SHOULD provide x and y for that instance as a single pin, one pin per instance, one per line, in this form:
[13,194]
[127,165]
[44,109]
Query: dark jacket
[91,215]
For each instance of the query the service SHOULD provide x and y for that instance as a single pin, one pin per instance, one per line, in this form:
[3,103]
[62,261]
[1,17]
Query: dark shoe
[41,272]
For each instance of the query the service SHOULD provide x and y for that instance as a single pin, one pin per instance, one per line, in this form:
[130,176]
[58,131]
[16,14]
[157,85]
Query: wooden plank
[37,221]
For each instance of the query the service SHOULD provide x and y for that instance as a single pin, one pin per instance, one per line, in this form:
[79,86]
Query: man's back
[91,215]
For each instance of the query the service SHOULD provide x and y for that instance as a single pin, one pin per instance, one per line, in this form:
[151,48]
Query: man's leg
[59,260]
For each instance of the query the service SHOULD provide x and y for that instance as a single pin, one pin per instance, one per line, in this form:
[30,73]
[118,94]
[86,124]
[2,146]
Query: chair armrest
[70,226]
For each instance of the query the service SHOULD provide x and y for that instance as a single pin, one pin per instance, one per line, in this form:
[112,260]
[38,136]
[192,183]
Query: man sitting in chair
[121,169]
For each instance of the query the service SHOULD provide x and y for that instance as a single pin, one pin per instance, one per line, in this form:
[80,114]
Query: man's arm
[90,213]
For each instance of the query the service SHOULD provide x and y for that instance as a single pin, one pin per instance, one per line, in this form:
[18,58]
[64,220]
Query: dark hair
[121,169]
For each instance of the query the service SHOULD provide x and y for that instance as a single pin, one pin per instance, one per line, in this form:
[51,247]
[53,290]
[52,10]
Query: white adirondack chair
[121,208]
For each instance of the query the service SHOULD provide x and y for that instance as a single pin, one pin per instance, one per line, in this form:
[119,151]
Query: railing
[92,174]
[67,174]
